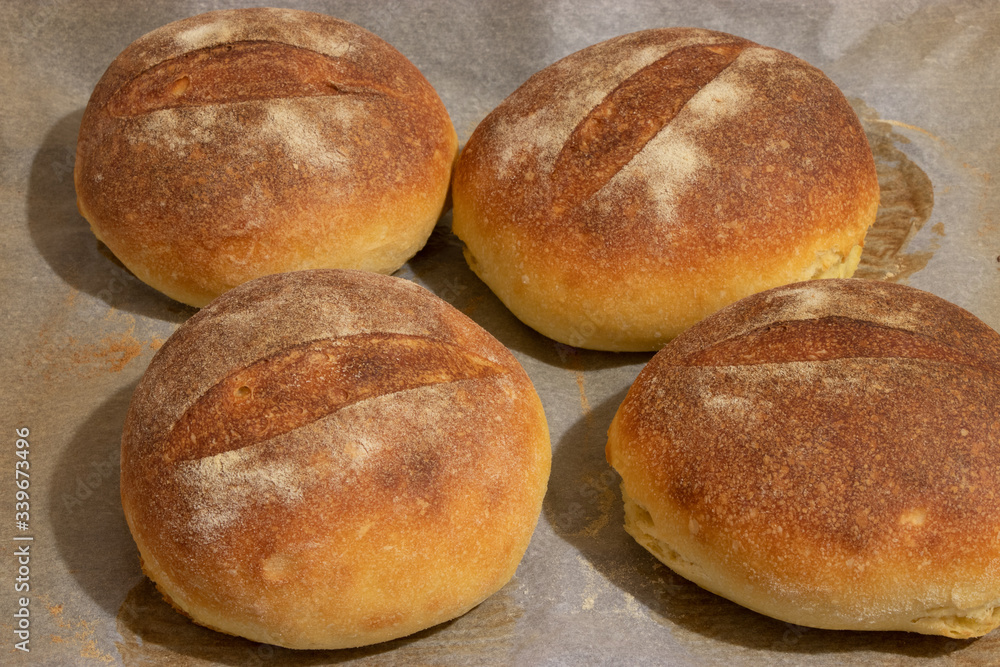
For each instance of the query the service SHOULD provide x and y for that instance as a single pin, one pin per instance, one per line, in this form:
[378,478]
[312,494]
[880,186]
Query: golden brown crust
[241,143]
[826,453]
[635,186]
[382,472]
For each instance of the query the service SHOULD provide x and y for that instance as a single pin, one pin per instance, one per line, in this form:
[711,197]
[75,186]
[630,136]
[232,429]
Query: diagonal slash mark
[827,339]
[239,72]
[306,382]
[633,113]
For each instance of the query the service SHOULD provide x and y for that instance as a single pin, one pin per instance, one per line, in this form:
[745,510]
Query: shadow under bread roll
[240,143]
[329,459]
[825,453]
[634,187]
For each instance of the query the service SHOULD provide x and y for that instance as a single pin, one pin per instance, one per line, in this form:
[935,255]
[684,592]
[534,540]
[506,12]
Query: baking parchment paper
[78,330]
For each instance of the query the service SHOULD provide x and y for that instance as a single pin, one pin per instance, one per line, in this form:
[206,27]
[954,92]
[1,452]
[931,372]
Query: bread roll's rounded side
[328,459]
[634,187]
[240,143]
[826,453]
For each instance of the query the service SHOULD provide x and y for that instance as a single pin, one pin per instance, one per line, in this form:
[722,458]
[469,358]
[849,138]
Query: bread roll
[327,459]
[632,188]
[239,143]
[826,453]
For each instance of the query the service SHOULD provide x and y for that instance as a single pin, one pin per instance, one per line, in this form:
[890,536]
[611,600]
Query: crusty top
[666,153]
[285,313]
[242,142]
[834,319]
[331,455]
[834,440]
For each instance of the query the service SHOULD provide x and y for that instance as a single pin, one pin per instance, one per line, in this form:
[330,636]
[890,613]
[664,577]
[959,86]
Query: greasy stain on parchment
[905,204]
[152,632]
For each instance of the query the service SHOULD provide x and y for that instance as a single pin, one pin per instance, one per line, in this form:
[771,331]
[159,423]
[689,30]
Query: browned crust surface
[668,172]
[827,453]
[382,471]
[240,143]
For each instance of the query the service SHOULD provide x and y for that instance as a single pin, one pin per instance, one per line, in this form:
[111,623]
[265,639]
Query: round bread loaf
[326,459]
[240,143]
[826,453]
[636,186]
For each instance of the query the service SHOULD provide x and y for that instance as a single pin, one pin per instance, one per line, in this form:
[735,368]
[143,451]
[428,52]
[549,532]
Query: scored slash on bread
[825,339]
[621,125]
[267,399]
[240,72]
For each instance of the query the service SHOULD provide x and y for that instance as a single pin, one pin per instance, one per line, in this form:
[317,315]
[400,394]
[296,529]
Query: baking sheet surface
[78,330]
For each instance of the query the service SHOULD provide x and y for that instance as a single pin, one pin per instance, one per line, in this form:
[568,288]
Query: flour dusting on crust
[304,140]
[224,486]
